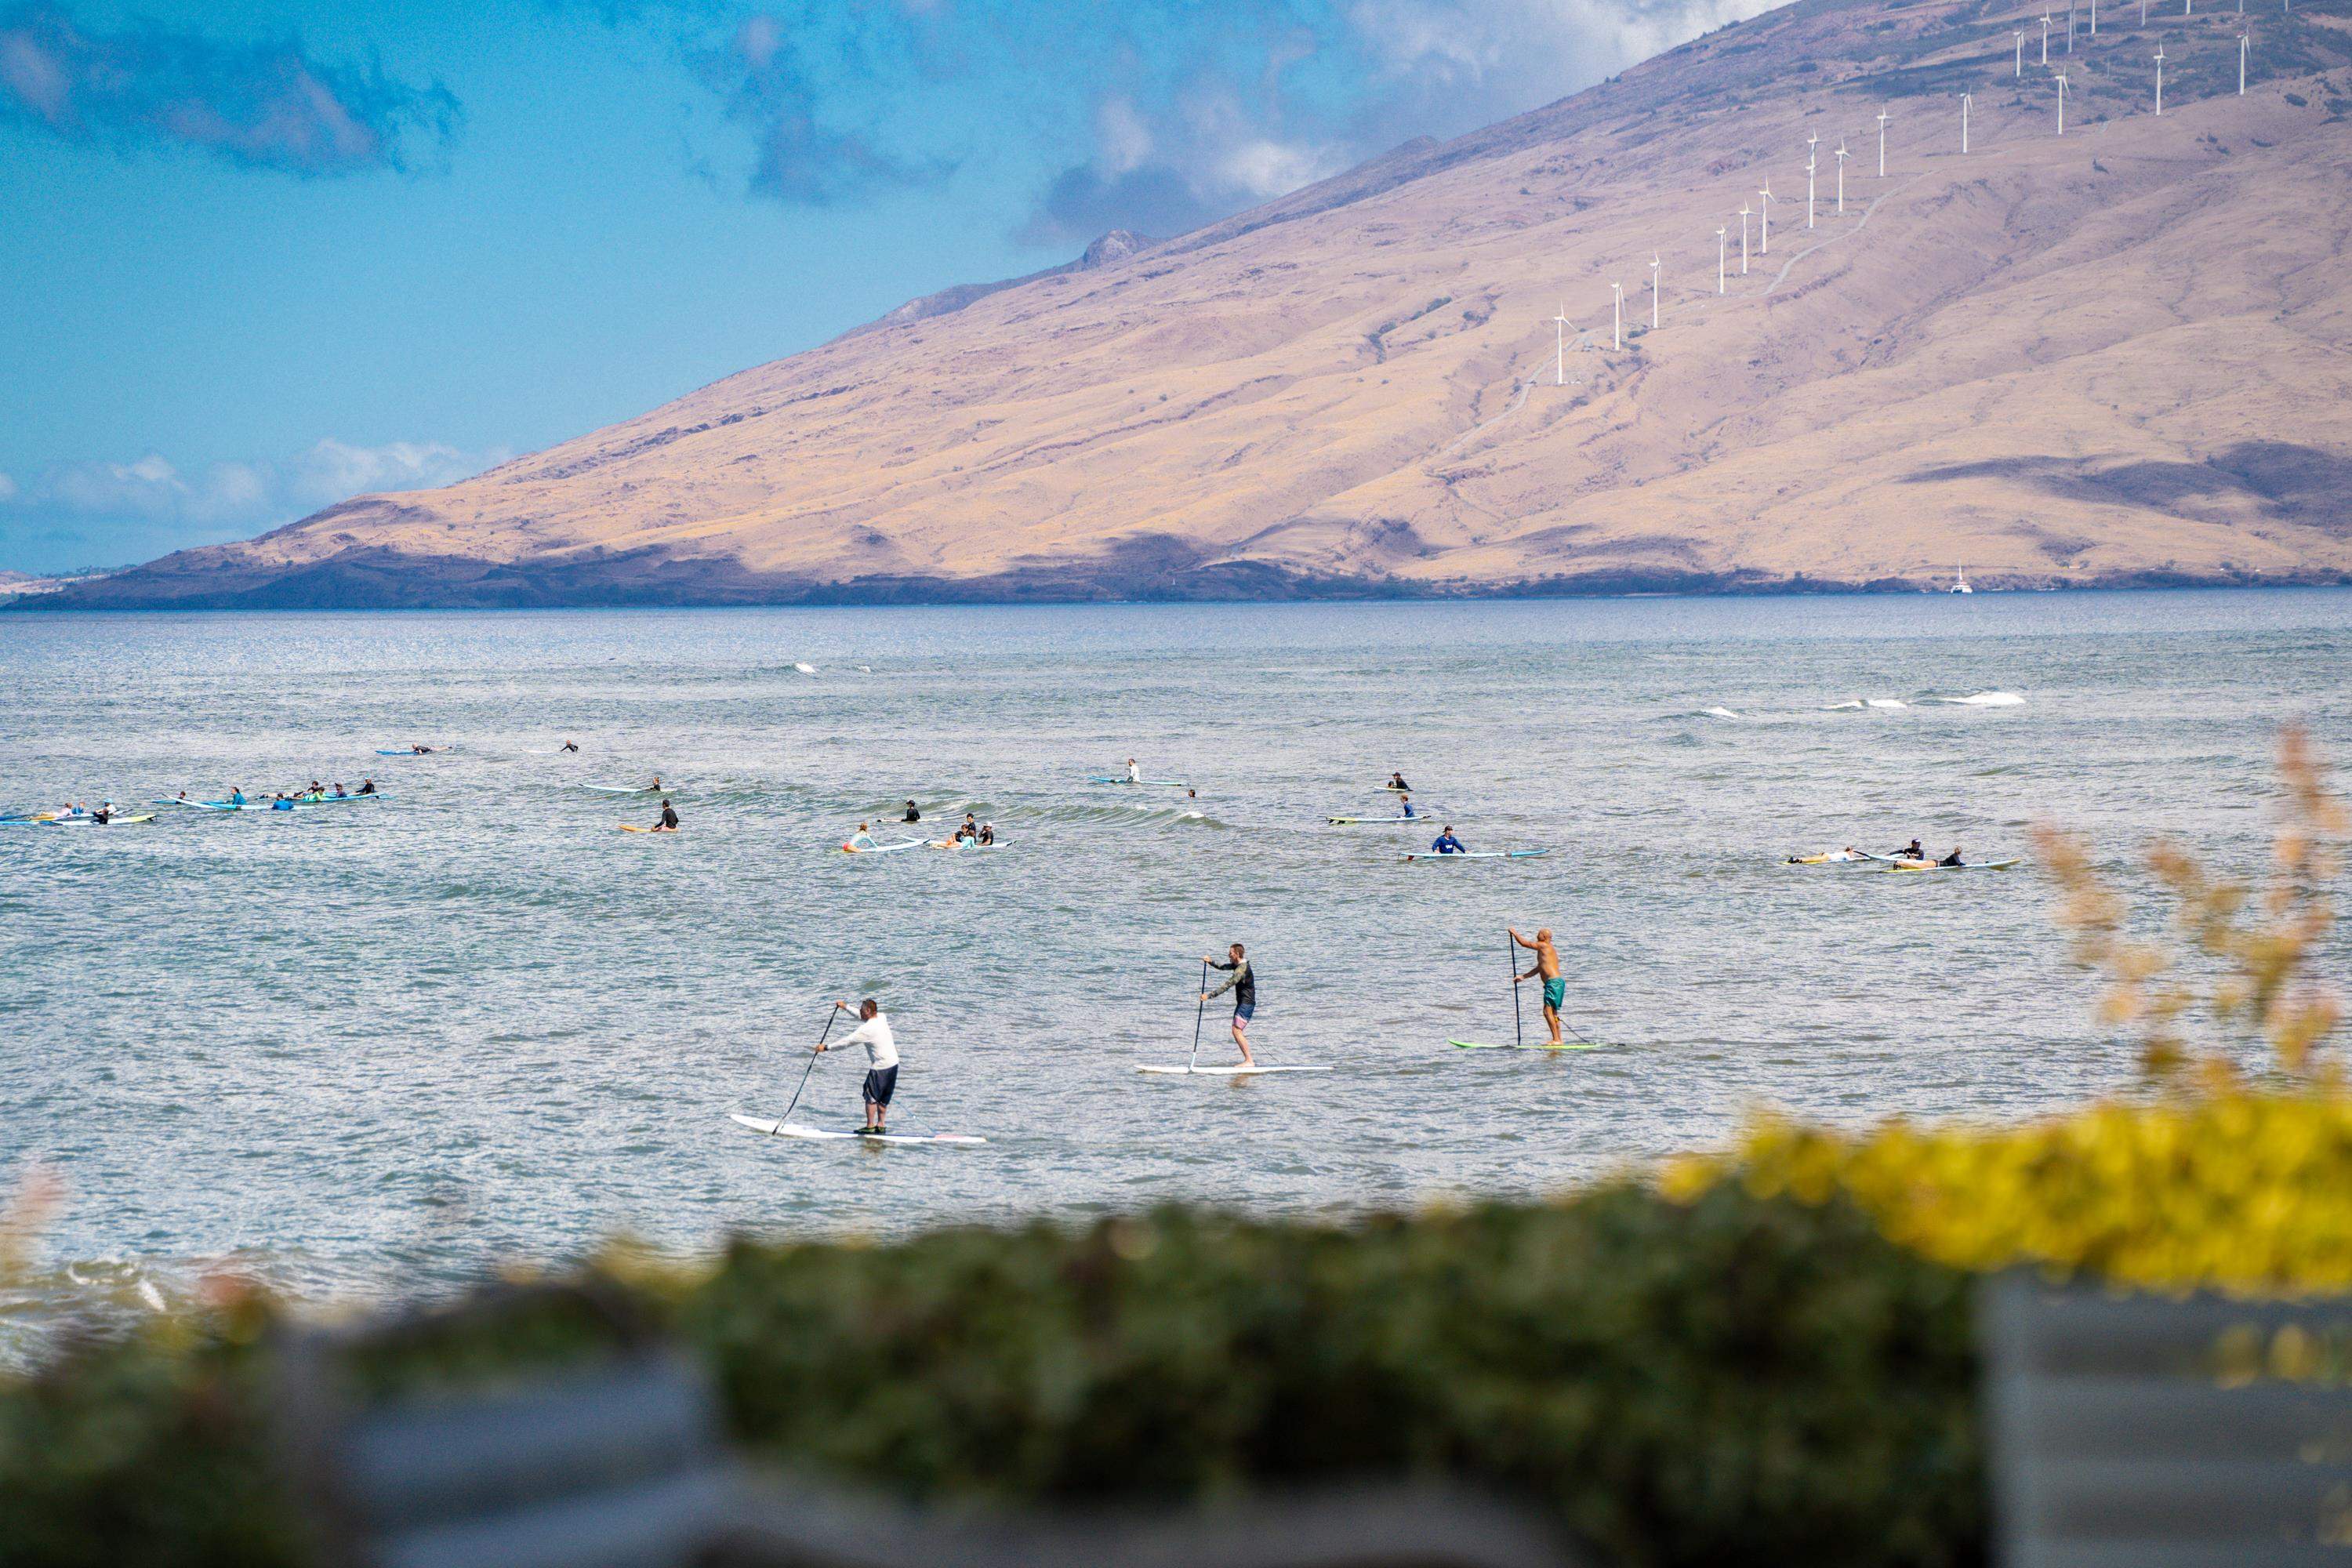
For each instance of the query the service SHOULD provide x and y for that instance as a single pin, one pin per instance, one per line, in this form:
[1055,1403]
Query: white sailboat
[1960,581]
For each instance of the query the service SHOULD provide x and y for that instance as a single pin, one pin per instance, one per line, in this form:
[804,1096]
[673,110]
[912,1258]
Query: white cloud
[245,496]
[1122,142]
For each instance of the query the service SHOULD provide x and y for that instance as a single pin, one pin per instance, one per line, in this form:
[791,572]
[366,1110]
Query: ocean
[381,1046]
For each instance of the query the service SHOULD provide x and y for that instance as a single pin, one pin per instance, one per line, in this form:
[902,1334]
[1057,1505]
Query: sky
[259,256]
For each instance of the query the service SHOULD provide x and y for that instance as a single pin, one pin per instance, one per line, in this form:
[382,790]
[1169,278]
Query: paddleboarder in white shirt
[873,1032]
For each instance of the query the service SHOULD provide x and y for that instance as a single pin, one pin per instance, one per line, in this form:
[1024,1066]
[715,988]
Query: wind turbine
[2045,38]
[2160,80]
[1811,159]
[1842,156]
[1883,118]
[1965,99]
[1617,308]
[1743,239]
[2095,16]
[2069,27]
[1719,245]
[2244,39]
[1764,246]
[1560,346]
[2020,71]
[1654,290]
[2061,103]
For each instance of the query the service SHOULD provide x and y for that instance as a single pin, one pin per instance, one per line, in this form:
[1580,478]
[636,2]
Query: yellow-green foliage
[2226,1187]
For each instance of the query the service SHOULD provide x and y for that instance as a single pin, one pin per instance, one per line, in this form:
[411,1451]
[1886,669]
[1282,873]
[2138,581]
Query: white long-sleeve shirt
[881,1046]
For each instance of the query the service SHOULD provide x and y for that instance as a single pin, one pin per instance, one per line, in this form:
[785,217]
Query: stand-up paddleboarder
[1547,964]
[1244,986]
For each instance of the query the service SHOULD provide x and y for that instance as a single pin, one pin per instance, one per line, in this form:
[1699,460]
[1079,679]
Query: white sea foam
[1718,713]
[805,668]
[1989,700]
[1888,703]
[1842,707]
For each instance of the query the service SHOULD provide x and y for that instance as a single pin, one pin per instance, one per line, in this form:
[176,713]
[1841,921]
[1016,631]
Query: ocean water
[380,1045]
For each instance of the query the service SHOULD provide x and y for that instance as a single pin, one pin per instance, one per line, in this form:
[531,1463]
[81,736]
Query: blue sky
[260,257]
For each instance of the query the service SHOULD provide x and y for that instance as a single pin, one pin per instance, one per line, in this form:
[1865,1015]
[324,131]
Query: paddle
[830,1015]
[1198,1014]
[1511,951]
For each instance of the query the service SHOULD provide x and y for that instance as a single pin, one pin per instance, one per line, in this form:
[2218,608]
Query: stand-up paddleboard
[887,848]
[794,1130]
[83,821]
[1166,784]
[1474,855]
[405,751]
[1524,1046]
[1379,821]
[1240,1070]
[960,844]
[631,789]
[1939,866]
[1833,857]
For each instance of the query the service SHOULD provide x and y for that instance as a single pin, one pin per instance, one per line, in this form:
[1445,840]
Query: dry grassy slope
[2119,356]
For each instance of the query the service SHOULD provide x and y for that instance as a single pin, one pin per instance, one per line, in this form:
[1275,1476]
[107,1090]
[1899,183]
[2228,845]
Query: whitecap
[1842,707]
[1718,713]
[1989,700]
[805,668]
[1888,703]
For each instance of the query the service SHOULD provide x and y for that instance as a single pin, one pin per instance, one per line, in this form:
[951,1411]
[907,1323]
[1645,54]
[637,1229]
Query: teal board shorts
[1555,992]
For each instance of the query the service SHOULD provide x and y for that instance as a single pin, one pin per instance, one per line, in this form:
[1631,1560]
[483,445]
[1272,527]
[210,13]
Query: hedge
[1730,1380]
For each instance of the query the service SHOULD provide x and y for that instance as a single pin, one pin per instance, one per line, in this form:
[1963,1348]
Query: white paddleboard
[794,1130]
[1238,1070]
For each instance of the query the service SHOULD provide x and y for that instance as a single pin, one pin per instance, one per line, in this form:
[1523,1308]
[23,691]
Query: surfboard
[629,789]
[1474,855]
[888,848]
[1532,1046]
[1238,1070]
[794,1130]
[1168,784]
[1833,857]
[1939,866]
[633,828]
[1379,821]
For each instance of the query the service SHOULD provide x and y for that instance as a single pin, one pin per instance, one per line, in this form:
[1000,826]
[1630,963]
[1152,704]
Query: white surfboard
[1238,1070]
[794,1130]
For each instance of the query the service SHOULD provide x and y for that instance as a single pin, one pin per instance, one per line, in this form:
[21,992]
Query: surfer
[1405,801]
[367,786]
[912,815]
[1396,783]
[1134,773]
[1911,852]
[861,840]
[1951,859]
[873,1032]
[1547,964]
[657,786]
[569,746]
[237,796]
[986,836]
[1446,844]
[1244,986]
[668,823]
[340,793]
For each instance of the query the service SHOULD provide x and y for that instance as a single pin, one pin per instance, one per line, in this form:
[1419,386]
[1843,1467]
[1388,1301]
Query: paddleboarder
[1446,844]
[1134,773]
[1547,964]
[1244,986]
[873,1032]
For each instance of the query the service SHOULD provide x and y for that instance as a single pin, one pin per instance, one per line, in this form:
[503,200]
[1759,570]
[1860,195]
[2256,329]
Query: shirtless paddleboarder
[1547,964]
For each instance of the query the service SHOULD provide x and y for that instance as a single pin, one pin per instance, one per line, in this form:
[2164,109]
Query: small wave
[805,668]
[1987,699]
[1888,703]
[1842,707]
[1718,713]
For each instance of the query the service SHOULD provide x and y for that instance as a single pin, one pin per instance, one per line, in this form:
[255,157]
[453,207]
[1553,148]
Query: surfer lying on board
[668,823]
[873,1032]
[1446,844]
[1547,964]
[1244,986]
[1951,859]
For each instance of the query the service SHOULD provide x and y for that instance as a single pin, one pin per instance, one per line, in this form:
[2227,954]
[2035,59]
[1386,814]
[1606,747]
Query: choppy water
[390,1041]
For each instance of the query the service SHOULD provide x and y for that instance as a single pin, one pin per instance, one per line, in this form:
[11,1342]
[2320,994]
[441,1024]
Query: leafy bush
[1739,1380]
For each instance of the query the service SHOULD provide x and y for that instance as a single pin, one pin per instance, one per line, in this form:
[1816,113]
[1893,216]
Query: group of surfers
[282,800]
[972,831]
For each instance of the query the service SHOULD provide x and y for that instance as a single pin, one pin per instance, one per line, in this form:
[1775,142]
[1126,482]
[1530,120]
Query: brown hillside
[2121,355]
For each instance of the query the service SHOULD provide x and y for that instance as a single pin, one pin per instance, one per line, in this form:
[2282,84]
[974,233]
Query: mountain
[2121,355]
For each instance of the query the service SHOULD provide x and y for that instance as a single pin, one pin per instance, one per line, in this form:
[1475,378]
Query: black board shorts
[880,1083]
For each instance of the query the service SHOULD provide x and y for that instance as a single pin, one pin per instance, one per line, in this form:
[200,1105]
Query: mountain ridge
[2107,359]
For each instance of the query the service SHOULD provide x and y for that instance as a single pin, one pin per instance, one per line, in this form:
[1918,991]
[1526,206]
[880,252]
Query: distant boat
[1960,581]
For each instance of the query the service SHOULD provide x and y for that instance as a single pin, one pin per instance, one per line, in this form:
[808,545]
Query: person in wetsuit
[912,814]
[1396,783]
[1405,803]
[987,834]
[1912,852]
[668,823]
[1244,986]
[367,786]
[1951,859]
[1446,844]
[571,746]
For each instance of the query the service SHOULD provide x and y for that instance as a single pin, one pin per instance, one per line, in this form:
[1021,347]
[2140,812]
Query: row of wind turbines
[1763,213]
